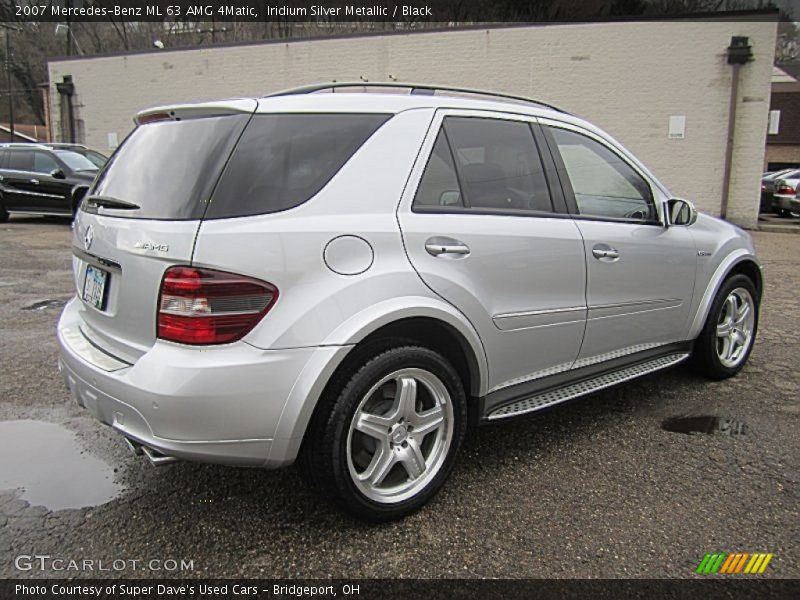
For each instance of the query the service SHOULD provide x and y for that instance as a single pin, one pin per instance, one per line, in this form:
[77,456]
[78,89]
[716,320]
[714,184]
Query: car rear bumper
[218,404]
[786,202]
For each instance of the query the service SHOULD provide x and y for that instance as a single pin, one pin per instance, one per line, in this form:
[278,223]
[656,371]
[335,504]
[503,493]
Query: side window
[283,160]
[604,185]
[20,160]
[439,184]
[44,163]
[3,159]
[498,164]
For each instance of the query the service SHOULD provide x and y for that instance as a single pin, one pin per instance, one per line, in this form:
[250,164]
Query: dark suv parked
[41,180]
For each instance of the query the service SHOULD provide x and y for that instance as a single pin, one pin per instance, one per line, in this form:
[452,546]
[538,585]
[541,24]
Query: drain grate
[708,424]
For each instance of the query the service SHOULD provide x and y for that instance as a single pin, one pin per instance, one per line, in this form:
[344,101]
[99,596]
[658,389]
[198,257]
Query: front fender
[726,266]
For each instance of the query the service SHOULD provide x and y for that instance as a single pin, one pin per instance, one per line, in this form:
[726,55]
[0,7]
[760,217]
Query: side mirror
[57,174]
[681,212]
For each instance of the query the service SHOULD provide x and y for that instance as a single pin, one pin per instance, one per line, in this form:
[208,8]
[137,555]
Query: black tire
[705,358]
[324,456]
[3,211]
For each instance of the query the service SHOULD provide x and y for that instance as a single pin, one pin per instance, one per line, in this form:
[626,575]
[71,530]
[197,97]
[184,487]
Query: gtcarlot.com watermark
[48,563]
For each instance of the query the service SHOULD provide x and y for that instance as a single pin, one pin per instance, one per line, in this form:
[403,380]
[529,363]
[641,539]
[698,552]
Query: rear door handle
[35,181]
[604,251]
[446,246]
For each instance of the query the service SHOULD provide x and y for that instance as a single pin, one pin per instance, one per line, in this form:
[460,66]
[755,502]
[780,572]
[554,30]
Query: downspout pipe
[739,53]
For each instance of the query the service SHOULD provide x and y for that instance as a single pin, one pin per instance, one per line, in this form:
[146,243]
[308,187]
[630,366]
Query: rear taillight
[204,306]
[785,189]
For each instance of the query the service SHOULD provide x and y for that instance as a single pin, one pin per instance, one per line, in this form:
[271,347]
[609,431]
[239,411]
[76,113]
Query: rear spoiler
[182,112]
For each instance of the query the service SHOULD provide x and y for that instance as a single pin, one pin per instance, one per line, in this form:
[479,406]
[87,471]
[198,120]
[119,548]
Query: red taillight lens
[204,306]
[785,189]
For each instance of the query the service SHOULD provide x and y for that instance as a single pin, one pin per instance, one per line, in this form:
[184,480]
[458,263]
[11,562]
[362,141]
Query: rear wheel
[724,345]
[384,445]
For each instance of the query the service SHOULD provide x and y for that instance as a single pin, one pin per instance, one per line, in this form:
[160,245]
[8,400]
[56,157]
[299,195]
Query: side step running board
[587,386]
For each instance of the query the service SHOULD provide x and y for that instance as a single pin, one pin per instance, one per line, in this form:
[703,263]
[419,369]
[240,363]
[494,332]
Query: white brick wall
[626,77]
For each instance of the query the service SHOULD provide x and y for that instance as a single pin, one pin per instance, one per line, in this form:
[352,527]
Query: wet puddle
[44,460]
[708,424]
[44,304]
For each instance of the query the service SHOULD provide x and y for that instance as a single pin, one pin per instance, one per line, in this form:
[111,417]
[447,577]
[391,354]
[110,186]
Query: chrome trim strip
[582,388]
[629,308]
[38,194]
[539,318]
[13,211]
[88,352]
[635,303]
[531,313]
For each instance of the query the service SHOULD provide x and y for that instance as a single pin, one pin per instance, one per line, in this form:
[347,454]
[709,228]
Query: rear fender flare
[309,386]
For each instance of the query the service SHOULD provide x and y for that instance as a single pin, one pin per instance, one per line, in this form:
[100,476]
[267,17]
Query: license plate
[94,287]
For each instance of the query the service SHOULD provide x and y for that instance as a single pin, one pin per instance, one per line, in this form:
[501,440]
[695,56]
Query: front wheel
[724,345]
[384,445]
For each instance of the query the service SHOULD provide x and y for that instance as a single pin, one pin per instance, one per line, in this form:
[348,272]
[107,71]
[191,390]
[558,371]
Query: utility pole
[69,28]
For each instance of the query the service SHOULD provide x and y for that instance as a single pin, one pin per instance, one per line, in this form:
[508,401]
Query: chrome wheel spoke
[724,329]
[412,459]
[427,422]
[730,306]
[373,425]
[727,348]
[405,404]
[382,462]
[742,314]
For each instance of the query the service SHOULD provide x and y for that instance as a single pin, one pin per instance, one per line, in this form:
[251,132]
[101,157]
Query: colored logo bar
[733,563]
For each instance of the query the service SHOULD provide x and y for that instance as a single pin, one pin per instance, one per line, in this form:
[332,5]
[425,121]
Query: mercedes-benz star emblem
[88,237]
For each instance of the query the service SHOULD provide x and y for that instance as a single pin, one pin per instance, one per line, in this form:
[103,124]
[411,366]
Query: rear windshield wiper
[111,202]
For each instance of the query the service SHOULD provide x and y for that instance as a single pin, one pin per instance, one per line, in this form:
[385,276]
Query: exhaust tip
[156,458]
[134,447]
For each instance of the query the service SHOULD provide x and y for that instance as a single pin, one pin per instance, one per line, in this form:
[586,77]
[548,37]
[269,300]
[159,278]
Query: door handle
[448,247]
[35,181]
[604,251]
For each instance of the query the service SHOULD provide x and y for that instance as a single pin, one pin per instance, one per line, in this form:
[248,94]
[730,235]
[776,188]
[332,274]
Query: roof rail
[420,89]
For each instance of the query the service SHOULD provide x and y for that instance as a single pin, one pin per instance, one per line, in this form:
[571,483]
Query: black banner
[338,11]
[616,589]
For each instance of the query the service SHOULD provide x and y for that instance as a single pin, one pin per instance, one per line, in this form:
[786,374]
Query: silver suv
[352,279]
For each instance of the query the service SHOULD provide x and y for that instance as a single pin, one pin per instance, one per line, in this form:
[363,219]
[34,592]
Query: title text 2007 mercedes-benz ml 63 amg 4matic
[352,279]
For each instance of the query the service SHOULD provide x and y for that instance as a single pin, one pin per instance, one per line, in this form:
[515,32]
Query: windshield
[169,168]
[75,161]
[97,159]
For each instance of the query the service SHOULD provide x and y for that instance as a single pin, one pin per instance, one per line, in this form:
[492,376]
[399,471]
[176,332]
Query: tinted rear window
[169,168]
[283,160]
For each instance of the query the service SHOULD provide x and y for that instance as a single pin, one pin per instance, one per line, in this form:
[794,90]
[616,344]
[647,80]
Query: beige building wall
[782,154]
[628,78]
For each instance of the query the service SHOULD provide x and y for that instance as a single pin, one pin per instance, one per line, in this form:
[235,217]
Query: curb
[778,228]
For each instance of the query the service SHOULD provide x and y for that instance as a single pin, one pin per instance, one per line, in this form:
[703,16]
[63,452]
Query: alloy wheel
[400,435]
[735,327]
